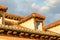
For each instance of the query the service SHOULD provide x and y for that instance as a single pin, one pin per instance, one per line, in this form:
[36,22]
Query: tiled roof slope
[13,15]
[33,15]
[52,24]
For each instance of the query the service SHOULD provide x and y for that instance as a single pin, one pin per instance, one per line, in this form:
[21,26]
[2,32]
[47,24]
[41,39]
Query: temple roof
[54,24]
[33,15]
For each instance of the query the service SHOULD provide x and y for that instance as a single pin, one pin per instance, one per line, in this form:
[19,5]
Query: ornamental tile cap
[33,15]
[3,7]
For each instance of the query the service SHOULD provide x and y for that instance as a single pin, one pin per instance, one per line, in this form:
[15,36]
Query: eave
[51,25]
[25,32]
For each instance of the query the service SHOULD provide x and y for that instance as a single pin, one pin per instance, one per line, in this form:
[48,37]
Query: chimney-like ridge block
[3,7]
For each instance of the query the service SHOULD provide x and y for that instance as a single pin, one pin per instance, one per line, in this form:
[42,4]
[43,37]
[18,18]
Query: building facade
[31,27]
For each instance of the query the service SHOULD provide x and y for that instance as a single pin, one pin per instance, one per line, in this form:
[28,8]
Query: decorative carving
[21,34]
[32,35]
[14,32]
[26,34]
[1,31]
[9,32]
[37,36]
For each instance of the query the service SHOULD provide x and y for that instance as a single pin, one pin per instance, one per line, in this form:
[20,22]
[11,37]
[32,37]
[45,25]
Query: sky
[48,8]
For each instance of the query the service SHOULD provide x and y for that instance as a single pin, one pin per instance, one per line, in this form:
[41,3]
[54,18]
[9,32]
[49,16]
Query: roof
[3,7]
[7,15]
[14,15]
[52,24]
[33,15]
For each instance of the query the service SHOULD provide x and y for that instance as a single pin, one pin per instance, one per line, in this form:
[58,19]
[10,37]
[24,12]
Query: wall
[11,20]
[0,20]
[55,29]
[29,24]
[13,38]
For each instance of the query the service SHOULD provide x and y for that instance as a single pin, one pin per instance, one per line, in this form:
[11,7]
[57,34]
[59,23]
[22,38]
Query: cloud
[34,5]
[57,16]
[48,5]
[2,0]
[50,2]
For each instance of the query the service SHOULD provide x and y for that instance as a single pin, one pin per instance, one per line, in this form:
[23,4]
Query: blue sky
[48,8]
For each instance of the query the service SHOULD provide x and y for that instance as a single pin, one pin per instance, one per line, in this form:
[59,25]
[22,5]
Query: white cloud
[48,4]
[44,9]
[34,5]
[51,2]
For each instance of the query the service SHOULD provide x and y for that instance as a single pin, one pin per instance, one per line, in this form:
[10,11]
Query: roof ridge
[32,15]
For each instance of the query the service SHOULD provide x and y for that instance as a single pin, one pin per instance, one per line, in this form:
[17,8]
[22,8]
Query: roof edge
[52,24]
